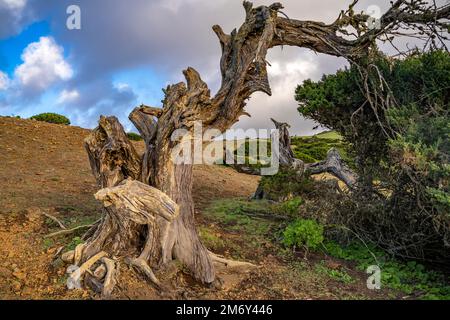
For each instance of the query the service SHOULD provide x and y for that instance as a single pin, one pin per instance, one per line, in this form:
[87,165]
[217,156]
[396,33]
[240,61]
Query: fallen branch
[230,263]
[62,226]
[68,231]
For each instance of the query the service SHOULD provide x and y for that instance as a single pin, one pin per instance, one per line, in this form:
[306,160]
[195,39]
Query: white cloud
[13,4]
[122,86]
[67,96]
[4,81]
[43,65]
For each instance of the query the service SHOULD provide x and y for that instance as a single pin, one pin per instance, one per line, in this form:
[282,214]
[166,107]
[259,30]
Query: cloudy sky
[126,51]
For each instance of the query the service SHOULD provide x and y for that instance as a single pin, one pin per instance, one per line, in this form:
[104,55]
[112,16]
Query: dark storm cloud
[170,35]
[14,14]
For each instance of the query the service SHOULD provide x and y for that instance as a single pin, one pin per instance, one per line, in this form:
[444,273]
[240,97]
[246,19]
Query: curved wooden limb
[145,123]
[138,202]
[152,111]
[110,277]
[143,266]
[231,263]
[336,166]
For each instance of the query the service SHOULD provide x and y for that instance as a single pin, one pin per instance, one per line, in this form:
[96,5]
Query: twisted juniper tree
[148,207]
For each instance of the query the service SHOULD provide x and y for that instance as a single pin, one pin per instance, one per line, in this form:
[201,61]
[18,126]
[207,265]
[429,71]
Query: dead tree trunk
[148,207]
[333,164]
[284,154]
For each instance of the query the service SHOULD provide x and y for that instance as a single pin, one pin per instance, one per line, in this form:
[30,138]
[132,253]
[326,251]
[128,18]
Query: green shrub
[290,207]
[51,118]
[286,184]
[400,144]
[303,233]
[134,136]
[408,277]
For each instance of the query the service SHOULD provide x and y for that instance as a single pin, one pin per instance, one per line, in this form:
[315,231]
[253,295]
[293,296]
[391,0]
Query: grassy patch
[408,277]
[73,243]
[338,275]
[48,243]
[241,215]
[242,232]
[211,240]
[329,135]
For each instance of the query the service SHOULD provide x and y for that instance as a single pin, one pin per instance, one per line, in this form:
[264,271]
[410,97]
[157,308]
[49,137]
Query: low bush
[303,233]
[51,118]
[134,136]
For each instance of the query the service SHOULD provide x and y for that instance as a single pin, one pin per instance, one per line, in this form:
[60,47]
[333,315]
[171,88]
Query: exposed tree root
[85,267]
[143,266]
[233,264]
[78,254]
[110,278]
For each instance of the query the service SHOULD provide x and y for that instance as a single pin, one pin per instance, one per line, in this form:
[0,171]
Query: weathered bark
[111,155]
[335,166]
[285,153]
[151,225]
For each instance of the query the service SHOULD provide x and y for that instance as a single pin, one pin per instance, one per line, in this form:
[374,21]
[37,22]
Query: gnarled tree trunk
[148,207]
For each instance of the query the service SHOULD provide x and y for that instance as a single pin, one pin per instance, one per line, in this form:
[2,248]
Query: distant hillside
[331,135]
[315,148]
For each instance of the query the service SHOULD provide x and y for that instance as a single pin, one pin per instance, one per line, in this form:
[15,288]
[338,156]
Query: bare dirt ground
[44,169]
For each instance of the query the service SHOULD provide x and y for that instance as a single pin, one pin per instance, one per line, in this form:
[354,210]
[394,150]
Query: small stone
[100,272]
[17,286]
[19,275]
[27,291]
[68,257]
[51,250]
